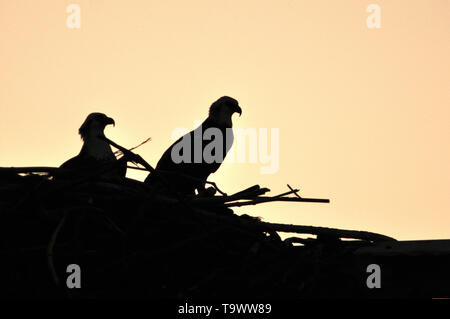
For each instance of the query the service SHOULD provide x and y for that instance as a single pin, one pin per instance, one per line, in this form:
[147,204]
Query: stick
[132,157]
[51,264]
[341,233]
[286,193]
[149,139]
[225,199]
[264,199]
[296,193]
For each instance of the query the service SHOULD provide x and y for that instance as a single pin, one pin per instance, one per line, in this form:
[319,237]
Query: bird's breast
[99,150]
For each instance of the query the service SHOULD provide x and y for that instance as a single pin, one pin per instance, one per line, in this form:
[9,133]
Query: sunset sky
[363,114]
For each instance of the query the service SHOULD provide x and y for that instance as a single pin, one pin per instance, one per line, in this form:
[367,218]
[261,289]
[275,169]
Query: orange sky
[363,114]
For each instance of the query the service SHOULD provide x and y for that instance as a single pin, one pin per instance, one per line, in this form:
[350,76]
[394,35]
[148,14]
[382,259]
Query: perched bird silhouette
[96,152]
[184,165]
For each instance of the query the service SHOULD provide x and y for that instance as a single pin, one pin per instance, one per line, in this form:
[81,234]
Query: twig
[251,192]
[341,233]
[265,199]
[296,193]
[133,148]
[50,261]
[286,193]
[280,198]
[127,153]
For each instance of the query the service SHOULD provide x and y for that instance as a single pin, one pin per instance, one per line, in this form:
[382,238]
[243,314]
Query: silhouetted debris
[133,242]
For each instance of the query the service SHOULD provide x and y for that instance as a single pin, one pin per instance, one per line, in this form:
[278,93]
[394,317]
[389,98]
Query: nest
[131,241]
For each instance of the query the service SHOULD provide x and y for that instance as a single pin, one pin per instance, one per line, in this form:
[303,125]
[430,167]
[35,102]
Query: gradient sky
[363,114]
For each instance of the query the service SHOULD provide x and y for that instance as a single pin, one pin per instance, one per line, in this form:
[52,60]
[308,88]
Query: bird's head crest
[95,123]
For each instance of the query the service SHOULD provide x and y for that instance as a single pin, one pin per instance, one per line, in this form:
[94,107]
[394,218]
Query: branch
[251,192]
[50,261]
[296,193]
[340,233]
[266,199]
[299,229]
[133,148]
[30,169]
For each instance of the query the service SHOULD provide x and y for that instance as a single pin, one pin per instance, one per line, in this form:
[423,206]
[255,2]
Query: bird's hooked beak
[238,110]
[110,121]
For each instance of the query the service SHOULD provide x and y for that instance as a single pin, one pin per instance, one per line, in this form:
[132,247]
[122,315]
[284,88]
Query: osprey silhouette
[96,152]
[184,164]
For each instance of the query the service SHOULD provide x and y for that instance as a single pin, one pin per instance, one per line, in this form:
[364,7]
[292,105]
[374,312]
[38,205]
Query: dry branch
[50,247]
[119,152]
